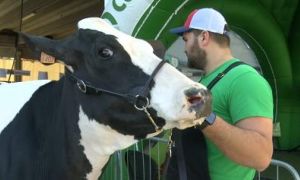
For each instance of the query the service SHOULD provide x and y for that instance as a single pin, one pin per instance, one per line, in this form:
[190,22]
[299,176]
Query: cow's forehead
[136,48]
[103,26]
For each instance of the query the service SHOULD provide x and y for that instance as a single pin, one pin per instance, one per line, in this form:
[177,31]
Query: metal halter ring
[81,86]
[144,99]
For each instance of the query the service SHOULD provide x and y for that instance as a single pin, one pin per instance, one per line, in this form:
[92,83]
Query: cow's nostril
[194,95]
[194,99]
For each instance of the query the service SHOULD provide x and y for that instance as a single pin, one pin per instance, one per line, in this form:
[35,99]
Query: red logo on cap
[189,19]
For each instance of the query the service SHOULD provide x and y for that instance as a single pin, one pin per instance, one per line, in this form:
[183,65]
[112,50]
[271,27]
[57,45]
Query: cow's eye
[105,53]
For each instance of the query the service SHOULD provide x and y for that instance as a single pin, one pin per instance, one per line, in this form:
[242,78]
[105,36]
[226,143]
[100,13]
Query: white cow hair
[133,46]
[168,97]
[167,94]
[99,142]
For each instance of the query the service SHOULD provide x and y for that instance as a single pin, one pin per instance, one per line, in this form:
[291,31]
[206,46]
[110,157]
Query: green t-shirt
[241,93]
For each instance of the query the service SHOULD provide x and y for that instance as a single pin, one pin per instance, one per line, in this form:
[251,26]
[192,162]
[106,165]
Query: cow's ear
[39,44]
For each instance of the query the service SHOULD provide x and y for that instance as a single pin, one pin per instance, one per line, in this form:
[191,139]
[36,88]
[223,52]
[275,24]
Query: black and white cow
[112,95]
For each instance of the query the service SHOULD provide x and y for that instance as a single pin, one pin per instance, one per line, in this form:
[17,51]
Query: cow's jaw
[99,142]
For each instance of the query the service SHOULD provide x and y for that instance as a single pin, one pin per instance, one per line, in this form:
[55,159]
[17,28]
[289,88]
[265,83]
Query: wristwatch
[208,121]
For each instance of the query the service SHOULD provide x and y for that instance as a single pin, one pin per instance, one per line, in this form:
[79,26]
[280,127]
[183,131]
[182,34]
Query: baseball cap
[207,19]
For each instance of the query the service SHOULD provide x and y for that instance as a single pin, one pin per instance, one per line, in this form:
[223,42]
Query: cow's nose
[192,91]
[194,94]
[199,99]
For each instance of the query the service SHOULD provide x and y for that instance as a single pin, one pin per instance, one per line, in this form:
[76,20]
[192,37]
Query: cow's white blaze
[168,97]
[99,142]
[13,96]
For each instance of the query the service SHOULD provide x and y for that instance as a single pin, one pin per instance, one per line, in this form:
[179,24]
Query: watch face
[211,118]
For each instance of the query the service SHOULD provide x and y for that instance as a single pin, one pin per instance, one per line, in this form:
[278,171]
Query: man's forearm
[246,146]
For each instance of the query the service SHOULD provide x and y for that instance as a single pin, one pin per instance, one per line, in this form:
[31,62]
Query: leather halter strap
[140,100]
[146,89]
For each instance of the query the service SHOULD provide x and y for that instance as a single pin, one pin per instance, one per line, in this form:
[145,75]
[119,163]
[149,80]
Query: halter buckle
[81,85]
[141,102]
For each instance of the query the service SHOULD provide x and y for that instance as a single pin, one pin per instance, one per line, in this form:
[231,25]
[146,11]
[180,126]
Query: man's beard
[197,57]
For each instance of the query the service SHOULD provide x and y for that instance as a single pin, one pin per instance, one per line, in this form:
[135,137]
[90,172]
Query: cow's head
[110,60]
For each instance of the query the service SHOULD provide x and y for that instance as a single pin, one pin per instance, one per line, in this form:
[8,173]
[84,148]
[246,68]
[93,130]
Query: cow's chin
[183,124]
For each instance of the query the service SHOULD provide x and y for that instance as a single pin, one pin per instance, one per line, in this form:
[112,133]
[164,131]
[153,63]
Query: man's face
[197,57]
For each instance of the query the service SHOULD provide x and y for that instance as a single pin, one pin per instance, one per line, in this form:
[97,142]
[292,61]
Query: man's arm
[248,143]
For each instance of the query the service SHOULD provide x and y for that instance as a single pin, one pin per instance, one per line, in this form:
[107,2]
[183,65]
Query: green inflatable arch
[258,28]
[270,29]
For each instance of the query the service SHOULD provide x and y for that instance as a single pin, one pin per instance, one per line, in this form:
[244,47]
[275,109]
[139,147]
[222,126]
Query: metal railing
[137,162]
[119,169]
[281,164]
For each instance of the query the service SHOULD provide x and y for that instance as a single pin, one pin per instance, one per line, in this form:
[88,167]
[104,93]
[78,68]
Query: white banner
[125,14]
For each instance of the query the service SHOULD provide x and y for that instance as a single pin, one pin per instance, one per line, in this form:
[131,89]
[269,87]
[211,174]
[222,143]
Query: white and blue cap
[206,19]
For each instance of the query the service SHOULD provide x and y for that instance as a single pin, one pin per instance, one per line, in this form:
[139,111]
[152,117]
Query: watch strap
[202,125]
[209,120]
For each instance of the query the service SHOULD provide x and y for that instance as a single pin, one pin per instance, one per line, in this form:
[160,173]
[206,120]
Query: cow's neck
[96,141]
[99,142]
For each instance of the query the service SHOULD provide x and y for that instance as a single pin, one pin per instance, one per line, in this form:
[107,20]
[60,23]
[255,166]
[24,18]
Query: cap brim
[179,30]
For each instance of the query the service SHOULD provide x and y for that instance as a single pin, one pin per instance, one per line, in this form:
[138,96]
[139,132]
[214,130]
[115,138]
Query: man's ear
[203,38]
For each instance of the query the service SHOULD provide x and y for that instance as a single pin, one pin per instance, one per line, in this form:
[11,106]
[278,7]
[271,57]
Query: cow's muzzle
[200,101]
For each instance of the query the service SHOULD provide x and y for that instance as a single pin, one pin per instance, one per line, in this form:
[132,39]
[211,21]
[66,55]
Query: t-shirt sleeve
[251,96]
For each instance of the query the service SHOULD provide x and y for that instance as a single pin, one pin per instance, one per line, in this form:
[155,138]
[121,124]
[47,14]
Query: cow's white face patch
[167,96]
[11,104]
[140,52]
[99,142]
